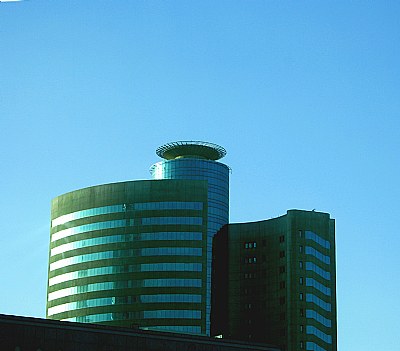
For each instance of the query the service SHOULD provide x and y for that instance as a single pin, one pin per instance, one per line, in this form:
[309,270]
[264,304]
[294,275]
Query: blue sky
[304,95]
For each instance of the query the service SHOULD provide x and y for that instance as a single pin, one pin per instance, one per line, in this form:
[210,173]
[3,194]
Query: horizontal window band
[155,251]
[107,301]
[112,270]
[126,238]
[163,205]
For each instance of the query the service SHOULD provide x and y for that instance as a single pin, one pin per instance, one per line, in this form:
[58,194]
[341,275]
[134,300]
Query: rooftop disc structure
[193,149]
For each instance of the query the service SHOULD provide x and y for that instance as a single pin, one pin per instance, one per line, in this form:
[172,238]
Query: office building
[275,281]
[139,252]
[160,254]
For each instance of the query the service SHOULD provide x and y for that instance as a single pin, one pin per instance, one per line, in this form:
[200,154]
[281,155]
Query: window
[281,254]
[282,239]
[301,249]
[301,280]
[301,264]
[301,328]
[250,260]
[282,284]
[300,233]
[301,312]
[282,269]
[250,245]
[301,296]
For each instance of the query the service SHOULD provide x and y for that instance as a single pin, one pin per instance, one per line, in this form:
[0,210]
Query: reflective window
[156,251]
[310,329]
[312,346]
[320,287]
[170,298]
[89,242]
[171,251]
[81,289]
[313,267]
[172,220]
[88,228]
[103,240]
[171,236]
[93,318]
[145,267]
[169,282]
[177,328]
[321,319]
[171,267]
[192,314]
[169,205]
[323,258]
[165,205]
[316,238]
[105,301]
[86,213]
[319,302]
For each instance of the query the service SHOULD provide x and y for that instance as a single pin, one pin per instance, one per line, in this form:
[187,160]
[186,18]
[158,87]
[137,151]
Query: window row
[171,298]
[104,317]
[319,318]
[310,266]
[311,330]
[107,301]
[163,205]
[250,245]
[186,314]
[110,239]
[313,252]
[250,260]
[172,220]
[319,302]
[119,223]
[153,251]
[192,329]
[317,285]
[123,284]
[316,238]
[111,270]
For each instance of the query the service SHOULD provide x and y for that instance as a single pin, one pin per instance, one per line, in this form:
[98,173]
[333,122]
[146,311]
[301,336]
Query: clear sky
[304,95]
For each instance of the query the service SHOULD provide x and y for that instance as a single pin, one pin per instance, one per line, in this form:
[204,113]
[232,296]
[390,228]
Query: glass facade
[121,253]
[217,176]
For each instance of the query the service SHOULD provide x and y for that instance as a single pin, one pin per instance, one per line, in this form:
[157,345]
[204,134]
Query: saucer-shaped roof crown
[191,149]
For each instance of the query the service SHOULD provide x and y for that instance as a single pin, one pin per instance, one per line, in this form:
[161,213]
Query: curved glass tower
[130,253]
[139,252]
[196,160]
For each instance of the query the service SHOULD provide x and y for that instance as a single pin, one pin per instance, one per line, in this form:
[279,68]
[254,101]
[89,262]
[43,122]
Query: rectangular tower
[275,281]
